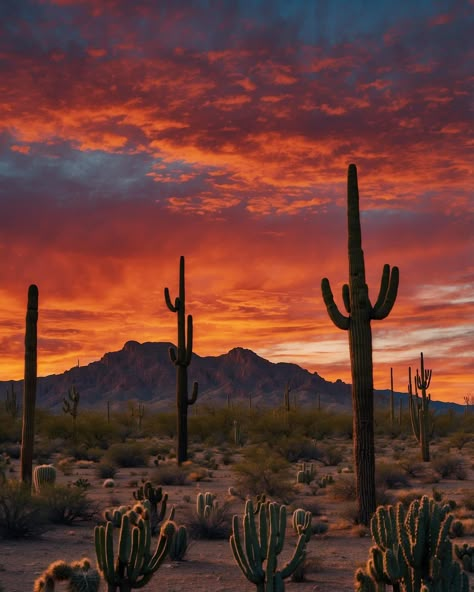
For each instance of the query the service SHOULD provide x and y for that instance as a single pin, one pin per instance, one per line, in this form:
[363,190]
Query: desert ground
[209,566]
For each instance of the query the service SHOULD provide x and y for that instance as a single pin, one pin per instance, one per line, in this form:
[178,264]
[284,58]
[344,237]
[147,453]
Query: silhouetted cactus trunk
[181,358]
[357,323]
[29,387]
[419,408]
[392,405]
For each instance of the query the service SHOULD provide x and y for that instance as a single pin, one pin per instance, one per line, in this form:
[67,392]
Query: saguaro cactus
[264,544]
[181,358]
[419,408]
[360,313]
[29,386]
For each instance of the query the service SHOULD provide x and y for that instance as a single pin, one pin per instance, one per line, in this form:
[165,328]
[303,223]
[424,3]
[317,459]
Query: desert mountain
[143,372]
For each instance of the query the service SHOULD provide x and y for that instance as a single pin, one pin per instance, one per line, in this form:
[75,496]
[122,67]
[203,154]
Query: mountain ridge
[143,372]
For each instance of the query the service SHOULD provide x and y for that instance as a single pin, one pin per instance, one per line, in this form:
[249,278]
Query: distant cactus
[412,551]
[78,574]
[70,406]
[206,504]
[419,408]
[43,475]
[325,480]
[155,496]
[29,386]
[135,563]
[263,544]
[12,407]
[360,314]
[181,358]
[465,553]
[306,474]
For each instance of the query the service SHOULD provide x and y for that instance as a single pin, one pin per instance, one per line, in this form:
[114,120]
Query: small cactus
[306,474]
[465,554]
[43,475]
[179,544]
[79,575]
[155,496]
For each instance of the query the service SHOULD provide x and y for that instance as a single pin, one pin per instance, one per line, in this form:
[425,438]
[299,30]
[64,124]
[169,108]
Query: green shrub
[262,470]
[127,454]
[65,504]
[390,475]
[21,514]
[105,470]
[447,465]
[170,474]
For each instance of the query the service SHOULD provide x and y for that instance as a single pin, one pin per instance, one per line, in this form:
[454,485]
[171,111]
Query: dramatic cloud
[133,133]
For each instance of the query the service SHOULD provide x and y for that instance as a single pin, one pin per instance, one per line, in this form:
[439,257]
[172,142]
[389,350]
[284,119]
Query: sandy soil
[209,565]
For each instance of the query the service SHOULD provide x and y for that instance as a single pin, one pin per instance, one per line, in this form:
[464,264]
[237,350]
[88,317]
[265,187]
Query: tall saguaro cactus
[181,358]
[419,408]
[360,314]
[29,386]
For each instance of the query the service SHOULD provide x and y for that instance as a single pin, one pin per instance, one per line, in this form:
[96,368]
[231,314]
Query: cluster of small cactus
[79,575]
[43,475]
[306,474]
[135,563]
[155,496]
[262,545]
[412,551]
[465,553]
[206,505]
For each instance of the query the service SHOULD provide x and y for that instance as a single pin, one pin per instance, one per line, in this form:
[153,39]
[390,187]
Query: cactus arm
[194,394]
[169,304]
[388,293]
[341,321]
[346,298]
[238,552]
[297,557]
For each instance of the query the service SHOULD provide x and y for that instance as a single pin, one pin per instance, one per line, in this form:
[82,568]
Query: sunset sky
[135,132]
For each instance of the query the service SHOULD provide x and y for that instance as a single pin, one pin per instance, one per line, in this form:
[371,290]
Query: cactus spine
[135,563]
[181,358]
[360,313]
[43,475]
[29,386]
[419,408]
[264,544]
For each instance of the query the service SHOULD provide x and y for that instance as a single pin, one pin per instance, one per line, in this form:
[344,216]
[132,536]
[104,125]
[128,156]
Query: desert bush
[127,454]
[227,458]
[21,514]
[390,475]
[467,499]
[262,470]
[447,465]
[344,489]
[170,474]
[459,439]
[65,504]
[457,529]
[297,448]
[411,465]
[105,470]
[331,455]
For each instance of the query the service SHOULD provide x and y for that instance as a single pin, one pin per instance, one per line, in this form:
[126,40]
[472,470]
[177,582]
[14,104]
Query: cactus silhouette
[181,358]
[360,314]
[29,386]
[419,408]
